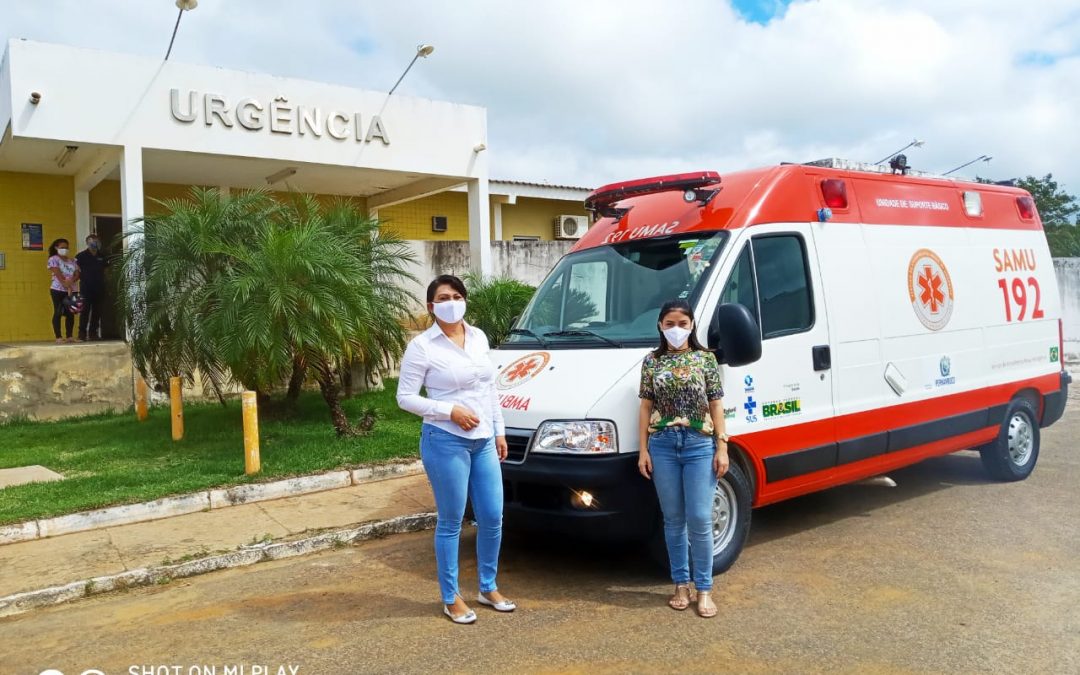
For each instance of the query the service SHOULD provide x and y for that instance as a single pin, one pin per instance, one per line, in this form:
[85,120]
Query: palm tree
[293,288]
[313,290]
[164,275]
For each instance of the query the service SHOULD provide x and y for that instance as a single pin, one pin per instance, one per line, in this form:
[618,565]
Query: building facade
[94,140]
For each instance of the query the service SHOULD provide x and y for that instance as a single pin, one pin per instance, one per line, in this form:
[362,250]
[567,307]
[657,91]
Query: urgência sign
[280,116]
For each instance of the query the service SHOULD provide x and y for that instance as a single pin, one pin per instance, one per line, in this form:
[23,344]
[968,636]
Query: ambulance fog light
[576,437]
[689,196]
[582,499]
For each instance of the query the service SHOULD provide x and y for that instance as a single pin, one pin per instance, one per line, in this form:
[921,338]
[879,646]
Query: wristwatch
[722,437]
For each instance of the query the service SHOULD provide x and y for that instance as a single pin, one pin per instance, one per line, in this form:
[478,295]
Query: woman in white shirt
[462,440]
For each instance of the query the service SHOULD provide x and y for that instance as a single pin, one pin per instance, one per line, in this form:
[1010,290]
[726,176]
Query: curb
[205,500]
[246,555]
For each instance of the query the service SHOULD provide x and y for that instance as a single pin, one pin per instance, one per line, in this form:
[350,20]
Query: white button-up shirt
[451,375]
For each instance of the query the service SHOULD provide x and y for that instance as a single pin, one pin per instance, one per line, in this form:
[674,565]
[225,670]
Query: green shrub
[495,303]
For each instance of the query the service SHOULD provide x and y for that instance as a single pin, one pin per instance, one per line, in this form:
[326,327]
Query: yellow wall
[105,198]
[528,217]
[412,220]
[25,305]
[532,217]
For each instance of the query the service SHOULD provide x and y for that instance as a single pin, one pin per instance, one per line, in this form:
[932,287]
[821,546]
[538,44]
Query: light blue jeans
[457,469]
[685,482]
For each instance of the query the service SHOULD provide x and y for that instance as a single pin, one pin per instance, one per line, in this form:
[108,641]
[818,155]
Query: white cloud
[589,92]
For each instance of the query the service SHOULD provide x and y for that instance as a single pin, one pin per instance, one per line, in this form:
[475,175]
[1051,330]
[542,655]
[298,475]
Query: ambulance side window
[740,285]
[783,285]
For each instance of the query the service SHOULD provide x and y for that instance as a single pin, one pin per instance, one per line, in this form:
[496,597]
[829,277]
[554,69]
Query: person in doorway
[462,440]
[683,449]
[92,263]
[65,281]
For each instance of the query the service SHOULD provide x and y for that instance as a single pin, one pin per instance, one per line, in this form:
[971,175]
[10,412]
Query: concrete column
[223,190]
[82,217]
[131,186]
[497,206]
[479,224]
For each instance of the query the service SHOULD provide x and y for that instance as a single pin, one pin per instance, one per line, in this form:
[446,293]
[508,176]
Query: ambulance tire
[1013,455]
[734,487]
[733,498]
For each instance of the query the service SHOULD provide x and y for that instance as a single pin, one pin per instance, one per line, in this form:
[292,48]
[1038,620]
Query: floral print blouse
[681,385]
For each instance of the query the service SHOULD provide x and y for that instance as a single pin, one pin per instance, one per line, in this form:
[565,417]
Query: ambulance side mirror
[734,335]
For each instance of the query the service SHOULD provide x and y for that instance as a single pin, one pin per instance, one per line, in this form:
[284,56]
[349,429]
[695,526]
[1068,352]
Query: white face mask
[62,251]
[676,336]
[450,311]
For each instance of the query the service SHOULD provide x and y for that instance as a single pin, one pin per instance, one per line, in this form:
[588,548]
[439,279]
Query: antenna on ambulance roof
[916,143]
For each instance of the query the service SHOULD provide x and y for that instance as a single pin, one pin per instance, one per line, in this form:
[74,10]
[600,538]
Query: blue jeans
[458,468]
[685,482]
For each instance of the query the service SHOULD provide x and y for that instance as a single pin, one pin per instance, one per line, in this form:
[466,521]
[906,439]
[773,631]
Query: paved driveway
[946,572]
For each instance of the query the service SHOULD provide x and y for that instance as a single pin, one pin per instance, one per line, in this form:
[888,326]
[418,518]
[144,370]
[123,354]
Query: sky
[586,92]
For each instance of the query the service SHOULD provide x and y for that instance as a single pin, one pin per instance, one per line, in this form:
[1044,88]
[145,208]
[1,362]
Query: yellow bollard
[176,399]
[140,397]
[252,464]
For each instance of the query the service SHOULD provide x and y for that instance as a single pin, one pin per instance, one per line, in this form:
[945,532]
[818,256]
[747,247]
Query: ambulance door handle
[822,358]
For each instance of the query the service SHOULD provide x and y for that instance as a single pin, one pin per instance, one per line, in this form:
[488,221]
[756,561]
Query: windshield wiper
[582,333]
[526,331]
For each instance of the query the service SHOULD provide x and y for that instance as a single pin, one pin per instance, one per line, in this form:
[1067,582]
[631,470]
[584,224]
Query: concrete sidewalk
[33,565]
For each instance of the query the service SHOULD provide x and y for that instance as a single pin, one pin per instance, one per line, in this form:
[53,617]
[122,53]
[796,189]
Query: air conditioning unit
[571,227]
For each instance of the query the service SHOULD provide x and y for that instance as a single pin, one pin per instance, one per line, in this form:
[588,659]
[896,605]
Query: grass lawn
[115,459]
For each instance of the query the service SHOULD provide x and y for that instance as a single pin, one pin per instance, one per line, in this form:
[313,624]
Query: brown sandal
[705,607]
[681,599]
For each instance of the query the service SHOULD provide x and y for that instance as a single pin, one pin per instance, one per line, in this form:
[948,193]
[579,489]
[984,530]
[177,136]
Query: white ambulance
[864,321]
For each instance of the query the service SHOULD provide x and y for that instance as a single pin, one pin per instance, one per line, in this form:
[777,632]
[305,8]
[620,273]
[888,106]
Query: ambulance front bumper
[1054,404]
[600,496]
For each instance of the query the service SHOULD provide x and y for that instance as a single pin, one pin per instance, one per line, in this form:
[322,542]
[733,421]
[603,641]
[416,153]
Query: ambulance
[864,320]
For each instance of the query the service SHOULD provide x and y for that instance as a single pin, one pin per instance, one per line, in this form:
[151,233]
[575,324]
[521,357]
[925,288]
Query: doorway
[110,230]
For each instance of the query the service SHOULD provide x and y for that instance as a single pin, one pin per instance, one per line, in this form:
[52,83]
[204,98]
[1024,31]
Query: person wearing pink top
[65,281]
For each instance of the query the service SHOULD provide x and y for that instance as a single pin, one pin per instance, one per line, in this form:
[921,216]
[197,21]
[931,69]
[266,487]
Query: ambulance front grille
[517,444]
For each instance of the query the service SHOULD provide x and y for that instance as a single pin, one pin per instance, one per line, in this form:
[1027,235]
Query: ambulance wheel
[1013,455]
[731,522]
[731,517]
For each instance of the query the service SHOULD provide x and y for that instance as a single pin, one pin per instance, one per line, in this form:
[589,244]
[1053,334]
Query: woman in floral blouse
[684,448]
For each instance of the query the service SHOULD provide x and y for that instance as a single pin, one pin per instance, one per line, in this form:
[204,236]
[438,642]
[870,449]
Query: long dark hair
[52,246]
[676,306]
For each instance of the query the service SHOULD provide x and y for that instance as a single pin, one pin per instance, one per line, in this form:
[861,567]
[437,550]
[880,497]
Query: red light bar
[834,190]
[1026,205]
[609,194]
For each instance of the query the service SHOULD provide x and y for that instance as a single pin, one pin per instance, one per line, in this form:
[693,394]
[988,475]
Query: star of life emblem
[930,289]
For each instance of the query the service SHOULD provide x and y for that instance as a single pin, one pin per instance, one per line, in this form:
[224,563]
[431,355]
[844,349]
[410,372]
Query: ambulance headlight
[584,437]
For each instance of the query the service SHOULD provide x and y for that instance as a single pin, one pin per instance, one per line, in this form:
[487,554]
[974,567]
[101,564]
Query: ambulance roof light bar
[600,202]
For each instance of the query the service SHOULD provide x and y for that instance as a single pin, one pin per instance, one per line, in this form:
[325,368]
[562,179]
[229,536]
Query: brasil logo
[789,407]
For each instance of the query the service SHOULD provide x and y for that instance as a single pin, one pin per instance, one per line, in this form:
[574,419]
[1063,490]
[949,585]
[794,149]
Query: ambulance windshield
[611,295]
